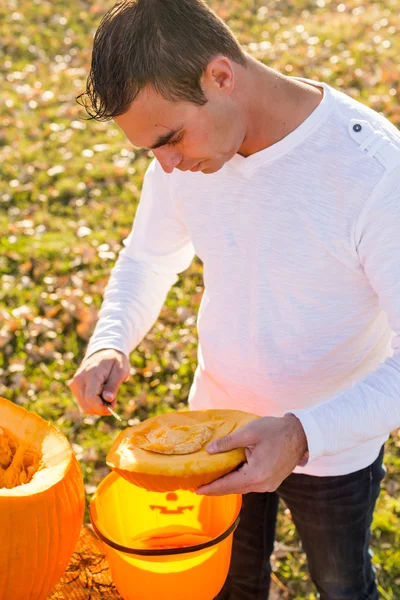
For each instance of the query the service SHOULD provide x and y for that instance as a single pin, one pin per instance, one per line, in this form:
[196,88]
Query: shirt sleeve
[156,250]
[371,408]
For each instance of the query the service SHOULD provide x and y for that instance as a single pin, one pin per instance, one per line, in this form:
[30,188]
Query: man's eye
[175,141]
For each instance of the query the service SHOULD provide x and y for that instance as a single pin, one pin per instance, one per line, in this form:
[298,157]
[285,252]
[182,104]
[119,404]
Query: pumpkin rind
[162,472]
[40,521]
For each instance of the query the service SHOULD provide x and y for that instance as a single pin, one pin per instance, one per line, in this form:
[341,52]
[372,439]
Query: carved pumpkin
[42,502]
[168,452]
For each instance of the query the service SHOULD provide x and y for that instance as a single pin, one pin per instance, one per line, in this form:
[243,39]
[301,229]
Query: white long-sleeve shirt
[300,244]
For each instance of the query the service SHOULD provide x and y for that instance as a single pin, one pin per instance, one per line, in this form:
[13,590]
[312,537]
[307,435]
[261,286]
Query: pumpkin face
[168,452]
[42,503]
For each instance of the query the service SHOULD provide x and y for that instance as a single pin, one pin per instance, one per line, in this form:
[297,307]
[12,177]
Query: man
[289,192]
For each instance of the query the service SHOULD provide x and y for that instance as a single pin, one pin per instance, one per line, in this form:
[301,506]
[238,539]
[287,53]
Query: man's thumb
[108,395]
[237,439]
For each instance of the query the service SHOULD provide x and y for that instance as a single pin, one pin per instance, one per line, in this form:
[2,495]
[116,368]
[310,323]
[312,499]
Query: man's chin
[211,169]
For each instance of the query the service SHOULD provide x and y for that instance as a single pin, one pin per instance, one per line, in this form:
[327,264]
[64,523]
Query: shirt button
[357,127]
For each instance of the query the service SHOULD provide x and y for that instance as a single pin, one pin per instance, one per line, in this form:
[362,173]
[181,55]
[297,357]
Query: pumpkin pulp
[19,460]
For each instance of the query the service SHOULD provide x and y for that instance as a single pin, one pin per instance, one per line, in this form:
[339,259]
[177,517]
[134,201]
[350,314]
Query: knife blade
[110,410]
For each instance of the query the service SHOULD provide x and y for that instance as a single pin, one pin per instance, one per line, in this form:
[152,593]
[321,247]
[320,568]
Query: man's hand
[273,446]
[101,373]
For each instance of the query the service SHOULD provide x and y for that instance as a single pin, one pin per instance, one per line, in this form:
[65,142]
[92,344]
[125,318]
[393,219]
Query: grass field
[68,193]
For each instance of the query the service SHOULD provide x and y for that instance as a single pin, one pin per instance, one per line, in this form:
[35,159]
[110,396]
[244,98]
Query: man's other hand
[273,446]
[99,376]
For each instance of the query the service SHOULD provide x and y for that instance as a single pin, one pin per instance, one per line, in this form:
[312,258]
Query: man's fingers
[244,480]
[89,386]
[89,405]
[103,383]
[115,377]
[233,483]
[78,388]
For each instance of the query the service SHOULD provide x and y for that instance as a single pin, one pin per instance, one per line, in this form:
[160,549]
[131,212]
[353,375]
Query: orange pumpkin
[168,452]
[42,501]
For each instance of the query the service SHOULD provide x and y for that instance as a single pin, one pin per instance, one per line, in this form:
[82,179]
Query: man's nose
[168,158]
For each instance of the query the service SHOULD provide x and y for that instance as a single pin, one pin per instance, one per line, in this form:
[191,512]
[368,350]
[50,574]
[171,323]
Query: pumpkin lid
[175,443]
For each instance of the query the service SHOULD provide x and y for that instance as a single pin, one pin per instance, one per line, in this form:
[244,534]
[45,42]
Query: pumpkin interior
[19,460]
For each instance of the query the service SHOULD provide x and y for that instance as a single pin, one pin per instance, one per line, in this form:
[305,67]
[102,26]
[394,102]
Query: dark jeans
[332,516]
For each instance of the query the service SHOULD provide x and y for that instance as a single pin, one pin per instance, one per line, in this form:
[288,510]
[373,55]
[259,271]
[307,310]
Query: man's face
[183,135]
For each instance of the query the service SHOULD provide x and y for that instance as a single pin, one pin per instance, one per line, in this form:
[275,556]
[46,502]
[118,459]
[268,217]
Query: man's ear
[219,76]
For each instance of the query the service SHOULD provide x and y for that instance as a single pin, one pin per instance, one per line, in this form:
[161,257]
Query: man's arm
[371,408]
[157,249]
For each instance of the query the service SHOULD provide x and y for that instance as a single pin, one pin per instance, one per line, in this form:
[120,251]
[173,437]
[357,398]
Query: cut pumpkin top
[175,443]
